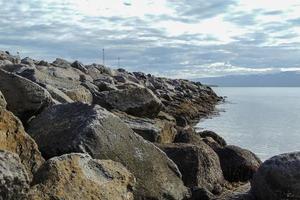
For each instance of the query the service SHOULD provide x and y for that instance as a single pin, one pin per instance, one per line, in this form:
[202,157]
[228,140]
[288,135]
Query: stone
[199,165]
[140,102]
[278,178]
[153,130]
[28,61]
[77,176]
[238,164]
[3,102]
[58,95]
[6,56]
[213,135]
[24,98]
[84,128]
[14,181]
[79,94]
[13,138]
[80,66]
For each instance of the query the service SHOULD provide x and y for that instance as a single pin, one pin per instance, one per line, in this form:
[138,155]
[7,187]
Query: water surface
[264,120]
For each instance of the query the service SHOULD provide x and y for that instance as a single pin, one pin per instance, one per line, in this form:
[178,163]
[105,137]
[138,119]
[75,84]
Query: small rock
[213,135]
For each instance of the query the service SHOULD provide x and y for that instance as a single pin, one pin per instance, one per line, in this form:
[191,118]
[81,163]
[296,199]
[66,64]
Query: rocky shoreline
[74,131]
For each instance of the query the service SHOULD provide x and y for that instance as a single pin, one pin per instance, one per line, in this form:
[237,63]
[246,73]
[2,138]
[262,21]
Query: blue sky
[174,38]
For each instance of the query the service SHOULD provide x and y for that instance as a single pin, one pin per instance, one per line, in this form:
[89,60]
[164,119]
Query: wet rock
[153,130]
[199,165]
[278,178]
[137,101]
[14,181]
[89,129]
[238,164]
[78,176]
[13,138]
[24,98]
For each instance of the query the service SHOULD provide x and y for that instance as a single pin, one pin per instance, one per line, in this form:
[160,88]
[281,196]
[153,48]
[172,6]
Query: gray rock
[24,98]
[28,61]
[5,55]
[82,128]
[59,62]
[278,178]
[80,66]
[137,101]
[215,136]
[58,95]
[199,165]
[79,177]
[2,101]
[238,164]
[14,181]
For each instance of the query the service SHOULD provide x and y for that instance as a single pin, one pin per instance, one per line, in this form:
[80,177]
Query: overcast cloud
[175,38]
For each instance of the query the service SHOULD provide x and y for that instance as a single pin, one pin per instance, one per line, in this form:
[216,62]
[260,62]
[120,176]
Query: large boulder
[78,176]
[214,136]
[80,94]
[13,138]
[14,181]
[199,165]
[278,178]
[153,130]
[136,101]
[24,98]
[91,129]
[238,164]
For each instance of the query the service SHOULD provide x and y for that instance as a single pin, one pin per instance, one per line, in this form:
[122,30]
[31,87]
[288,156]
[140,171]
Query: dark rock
[24,98]
[215,136]
[199,165]
[3,102]
[28,61]
[14,181]
[78,176]
[238,164]
[199,193]
[88,129]
[80,66]
[139,102]
[278,178]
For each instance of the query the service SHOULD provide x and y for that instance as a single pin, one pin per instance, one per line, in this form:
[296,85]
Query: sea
[265,120]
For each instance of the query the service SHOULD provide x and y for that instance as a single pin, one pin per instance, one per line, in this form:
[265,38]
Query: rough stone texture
[214,136]
[136,101]
[278,178]
[82,128]
[14,181]
[3,102]
[58,95]
[24,98]
[13,138]
[199,165]
[238,164]
[6,56]
[78,177]
[239,193]
[153,130]
[79,94]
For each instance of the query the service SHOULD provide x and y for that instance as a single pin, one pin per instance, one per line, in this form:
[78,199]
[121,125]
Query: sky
[173,38]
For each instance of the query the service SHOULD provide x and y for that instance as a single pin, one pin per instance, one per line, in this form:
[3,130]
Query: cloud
[173,38]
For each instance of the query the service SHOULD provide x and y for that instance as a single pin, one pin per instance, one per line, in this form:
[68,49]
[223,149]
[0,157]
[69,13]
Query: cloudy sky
[174,38]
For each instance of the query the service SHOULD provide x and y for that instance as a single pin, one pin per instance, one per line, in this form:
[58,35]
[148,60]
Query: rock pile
[72,131]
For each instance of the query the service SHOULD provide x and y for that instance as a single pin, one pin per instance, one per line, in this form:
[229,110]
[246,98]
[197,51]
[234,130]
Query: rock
[199,165]
[6,56]
[14,181]
[28,61]
[238,164]
[80,94]
[91,129]
[278,178]
[59,62]
[188,135]
[153,130]
[24,98]
[239,193]
[2,101]
[215,136]
[80,66]
[13,138]
[199,193]
[96,71]
[78,177]
[140,102]
[58,95]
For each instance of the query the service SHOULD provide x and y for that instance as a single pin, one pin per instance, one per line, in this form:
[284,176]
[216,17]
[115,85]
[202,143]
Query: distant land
[280,79]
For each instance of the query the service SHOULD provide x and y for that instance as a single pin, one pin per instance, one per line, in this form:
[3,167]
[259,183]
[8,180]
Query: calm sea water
[263,120]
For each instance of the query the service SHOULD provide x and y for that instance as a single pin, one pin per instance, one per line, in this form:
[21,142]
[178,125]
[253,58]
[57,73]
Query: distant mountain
[280,79]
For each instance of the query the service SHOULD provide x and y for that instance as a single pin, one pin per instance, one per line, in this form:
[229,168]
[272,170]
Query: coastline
[113,134]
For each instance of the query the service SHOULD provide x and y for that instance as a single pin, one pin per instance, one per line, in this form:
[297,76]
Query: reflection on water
[264,120]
